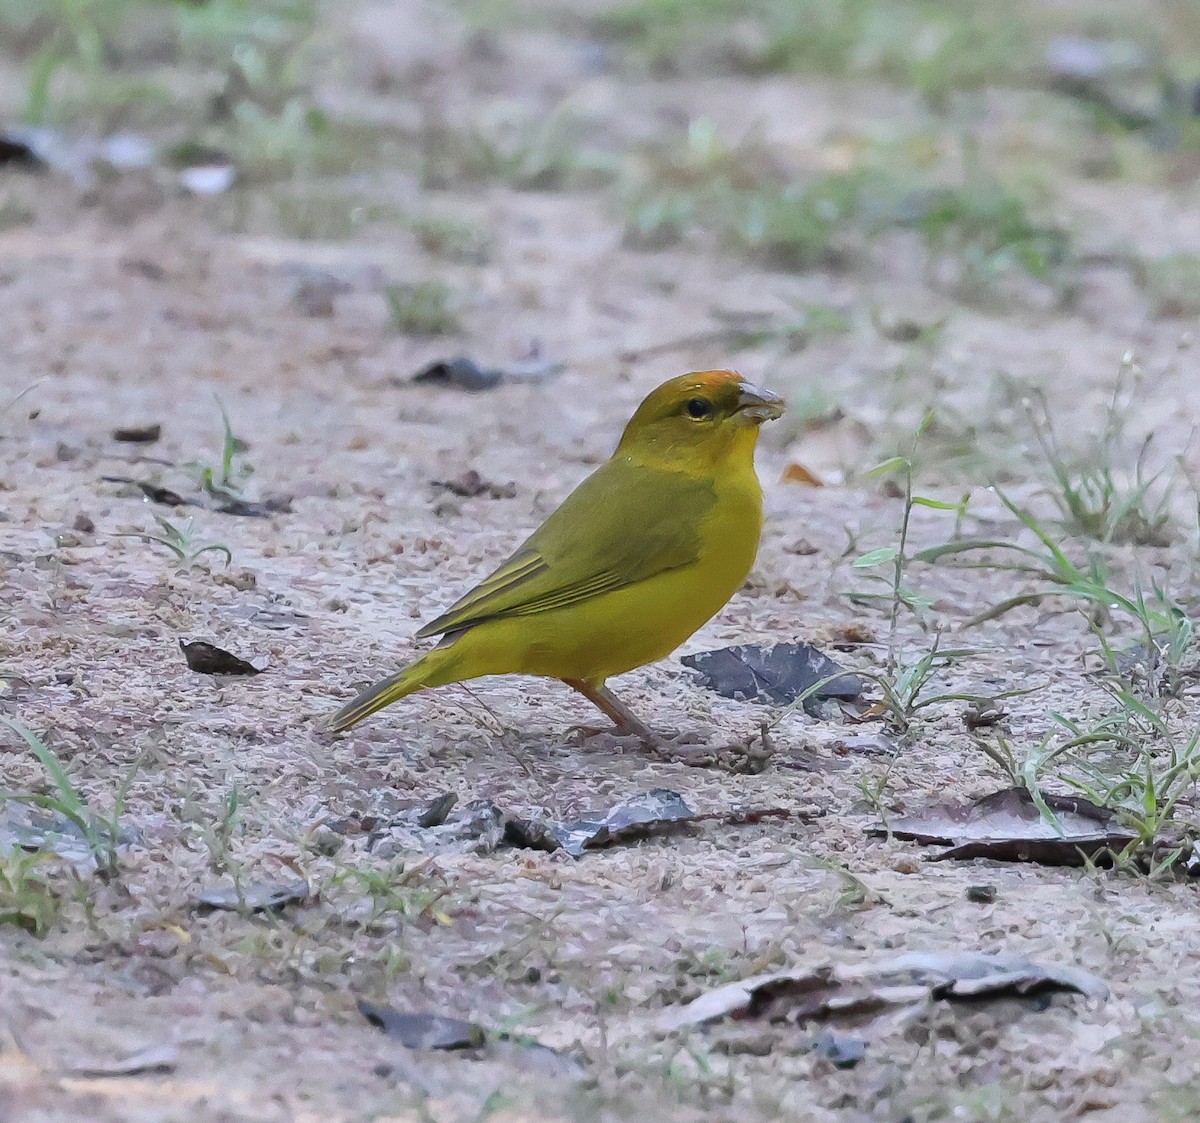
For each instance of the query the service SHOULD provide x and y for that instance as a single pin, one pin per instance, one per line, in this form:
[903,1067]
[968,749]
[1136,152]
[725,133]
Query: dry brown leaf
[1007,825]
[796,473]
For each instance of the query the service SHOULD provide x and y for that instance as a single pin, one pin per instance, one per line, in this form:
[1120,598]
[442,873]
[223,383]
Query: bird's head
[699,419]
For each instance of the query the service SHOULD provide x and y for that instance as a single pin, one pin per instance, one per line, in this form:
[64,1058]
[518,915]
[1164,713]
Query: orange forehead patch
[715,379]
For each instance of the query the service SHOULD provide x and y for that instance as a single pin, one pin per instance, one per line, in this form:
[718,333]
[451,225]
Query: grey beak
[758,404]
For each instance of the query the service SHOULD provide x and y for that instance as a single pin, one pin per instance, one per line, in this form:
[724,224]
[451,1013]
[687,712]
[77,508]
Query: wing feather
[624,524]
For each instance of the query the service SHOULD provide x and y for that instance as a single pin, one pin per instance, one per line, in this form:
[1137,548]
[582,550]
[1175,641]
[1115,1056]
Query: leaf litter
[208,659]
[779,674]
[154,1058]
[651,812]
[1008,826]
[874,998]
[138,434]
[36,829]
[227,502]
[464,373]
[427,1030]
[423,1030]
[258,896]
[481,826]
[154,492]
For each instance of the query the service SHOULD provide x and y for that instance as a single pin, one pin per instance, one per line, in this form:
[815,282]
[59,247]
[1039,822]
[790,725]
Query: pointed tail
[433,669]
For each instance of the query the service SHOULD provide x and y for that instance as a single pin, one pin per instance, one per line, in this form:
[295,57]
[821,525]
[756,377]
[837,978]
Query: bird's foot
[691,748]
[749,756]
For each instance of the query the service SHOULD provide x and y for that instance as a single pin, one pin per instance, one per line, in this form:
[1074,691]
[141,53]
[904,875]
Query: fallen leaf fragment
[477,827]
[465,373]
[842,1050]
[16,149]
[154,492]
[798,474]
[855,993]
[138,434]
[255,509]
[155,1058]
[778,674]
[648,812]
[471,484]
[227,502]
[460,372]
[437,811]
[968,975]
[1008,825]
[258,896]
[208,659]
[423,1030]
[51,832]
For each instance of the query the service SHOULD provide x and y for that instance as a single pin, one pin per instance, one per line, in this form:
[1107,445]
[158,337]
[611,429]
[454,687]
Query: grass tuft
[425,308]
[28,899]
[101,832]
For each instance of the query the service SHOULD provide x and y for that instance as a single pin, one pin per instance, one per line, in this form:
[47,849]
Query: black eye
[698,409]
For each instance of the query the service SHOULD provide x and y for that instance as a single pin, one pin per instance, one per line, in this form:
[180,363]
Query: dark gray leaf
[208,659]
[857,993]
[643,814]
[37,828]
[1008,826]
[156,1058]
[138,434]
[461,372]
[970,975]
[434,815]
[154,493]
[16,150]
[252,509]
[476,827]
[471,484]
[840,1049]
[259,896]
[777,674]
[652,810]
[423,1030]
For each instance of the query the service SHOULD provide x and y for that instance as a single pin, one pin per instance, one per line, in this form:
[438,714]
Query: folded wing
[624,524]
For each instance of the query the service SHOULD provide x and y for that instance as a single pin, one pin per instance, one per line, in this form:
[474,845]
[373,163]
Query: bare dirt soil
[125,303]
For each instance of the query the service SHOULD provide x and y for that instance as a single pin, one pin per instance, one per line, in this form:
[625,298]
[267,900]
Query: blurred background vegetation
[1115,88]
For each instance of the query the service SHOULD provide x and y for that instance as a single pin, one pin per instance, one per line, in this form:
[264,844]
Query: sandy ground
[130,305]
